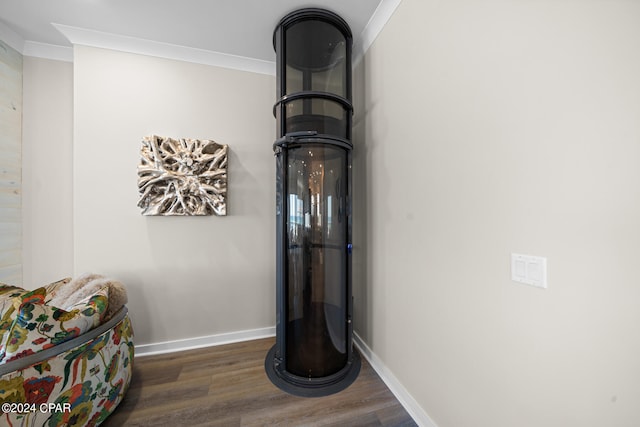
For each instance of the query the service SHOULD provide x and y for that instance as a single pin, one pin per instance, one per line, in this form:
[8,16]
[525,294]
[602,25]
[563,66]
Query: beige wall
[503,127]
[187,276]
[47,147]
[483,129]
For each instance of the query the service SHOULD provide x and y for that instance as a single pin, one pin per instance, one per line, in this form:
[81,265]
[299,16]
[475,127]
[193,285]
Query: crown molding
[376,23]
[86,37]
[11,38]
[93,38]
[31,48]
[48,51]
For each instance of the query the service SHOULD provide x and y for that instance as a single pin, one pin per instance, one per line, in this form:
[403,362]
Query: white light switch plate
[530,270]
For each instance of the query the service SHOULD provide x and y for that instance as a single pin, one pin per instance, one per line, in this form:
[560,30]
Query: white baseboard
[201,342]
[406,400]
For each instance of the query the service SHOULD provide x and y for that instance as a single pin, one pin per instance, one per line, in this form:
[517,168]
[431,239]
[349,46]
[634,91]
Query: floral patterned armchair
[62,366]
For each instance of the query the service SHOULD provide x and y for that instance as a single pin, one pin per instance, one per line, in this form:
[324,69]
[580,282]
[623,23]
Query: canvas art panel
[182,177]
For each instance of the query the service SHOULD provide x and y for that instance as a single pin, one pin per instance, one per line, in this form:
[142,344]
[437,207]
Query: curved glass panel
[315,58]
[316,328]
[321,115]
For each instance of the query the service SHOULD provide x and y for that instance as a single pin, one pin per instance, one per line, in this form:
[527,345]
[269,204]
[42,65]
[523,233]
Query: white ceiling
[233,27]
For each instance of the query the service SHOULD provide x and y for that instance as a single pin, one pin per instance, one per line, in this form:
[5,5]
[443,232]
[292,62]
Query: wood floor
[227,386]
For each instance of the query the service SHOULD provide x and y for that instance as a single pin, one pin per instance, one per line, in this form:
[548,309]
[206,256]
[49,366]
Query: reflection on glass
[316,61]
[316,53]
[322,115]
[317,232]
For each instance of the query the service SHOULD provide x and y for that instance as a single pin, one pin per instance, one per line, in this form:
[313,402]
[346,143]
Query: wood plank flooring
[227,386]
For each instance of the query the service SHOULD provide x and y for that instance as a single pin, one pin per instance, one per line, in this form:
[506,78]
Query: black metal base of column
[311,387]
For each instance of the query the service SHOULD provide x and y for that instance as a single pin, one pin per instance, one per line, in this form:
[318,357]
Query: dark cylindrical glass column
[313,354]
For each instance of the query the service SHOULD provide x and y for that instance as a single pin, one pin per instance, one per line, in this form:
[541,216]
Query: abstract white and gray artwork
[182,176]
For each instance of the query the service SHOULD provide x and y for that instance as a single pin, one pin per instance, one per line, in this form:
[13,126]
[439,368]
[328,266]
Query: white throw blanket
[86,285]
